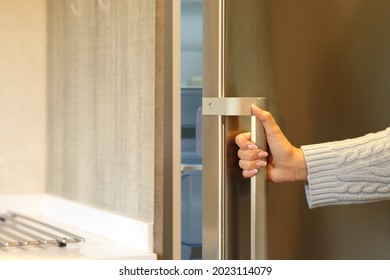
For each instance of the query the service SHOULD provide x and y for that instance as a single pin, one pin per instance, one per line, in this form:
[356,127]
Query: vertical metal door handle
[235,106]
[259,195]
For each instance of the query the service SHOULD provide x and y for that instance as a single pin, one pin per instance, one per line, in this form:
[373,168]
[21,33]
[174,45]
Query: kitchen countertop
[94,247]
[98,228]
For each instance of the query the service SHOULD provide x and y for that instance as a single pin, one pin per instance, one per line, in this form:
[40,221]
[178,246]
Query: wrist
[300,166]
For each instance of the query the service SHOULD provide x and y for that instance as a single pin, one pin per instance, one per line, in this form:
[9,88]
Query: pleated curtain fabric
[101,99]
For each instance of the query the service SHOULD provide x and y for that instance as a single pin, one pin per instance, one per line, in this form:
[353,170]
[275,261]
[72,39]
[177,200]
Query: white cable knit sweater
[349,171]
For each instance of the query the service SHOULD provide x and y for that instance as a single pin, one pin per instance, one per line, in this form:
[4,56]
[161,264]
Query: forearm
[350,171]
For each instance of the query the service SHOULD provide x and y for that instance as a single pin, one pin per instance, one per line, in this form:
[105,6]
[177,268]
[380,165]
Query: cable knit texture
[349,171]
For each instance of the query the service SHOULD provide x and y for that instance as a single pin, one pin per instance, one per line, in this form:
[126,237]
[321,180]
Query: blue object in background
[191,214]
[191,179]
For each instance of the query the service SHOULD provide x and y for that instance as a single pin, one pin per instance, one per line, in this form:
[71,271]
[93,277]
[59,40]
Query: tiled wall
[22,96]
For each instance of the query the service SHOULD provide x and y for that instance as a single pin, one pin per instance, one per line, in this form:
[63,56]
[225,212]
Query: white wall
[22,95]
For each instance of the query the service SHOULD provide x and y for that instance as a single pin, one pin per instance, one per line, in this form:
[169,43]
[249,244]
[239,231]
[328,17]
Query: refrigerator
[229,88]
[323,67]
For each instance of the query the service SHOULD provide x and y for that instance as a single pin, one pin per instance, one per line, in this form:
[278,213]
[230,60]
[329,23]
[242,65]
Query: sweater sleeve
[349,171]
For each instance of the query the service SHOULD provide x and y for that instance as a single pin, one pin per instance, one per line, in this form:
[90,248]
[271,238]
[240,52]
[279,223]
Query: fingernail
[253,171]
[254,107]
[262,154]
[252,147]
[261,163]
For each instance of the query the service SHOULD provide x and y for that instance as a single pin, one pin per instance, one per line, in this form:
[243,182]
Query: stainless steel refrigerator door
[235,65]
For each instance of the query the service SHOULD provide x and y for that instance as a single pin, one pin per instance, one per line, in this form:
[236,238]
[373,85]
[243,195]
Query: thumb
[268,121]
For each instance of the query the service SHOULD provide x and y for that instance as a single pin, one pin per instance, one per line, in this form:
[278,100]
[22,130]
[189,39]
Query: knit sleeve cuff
[322,186]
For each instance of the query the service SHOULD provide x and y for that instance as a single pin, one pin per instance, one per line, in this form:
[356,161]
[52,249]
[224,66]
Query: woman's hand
[286,163]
